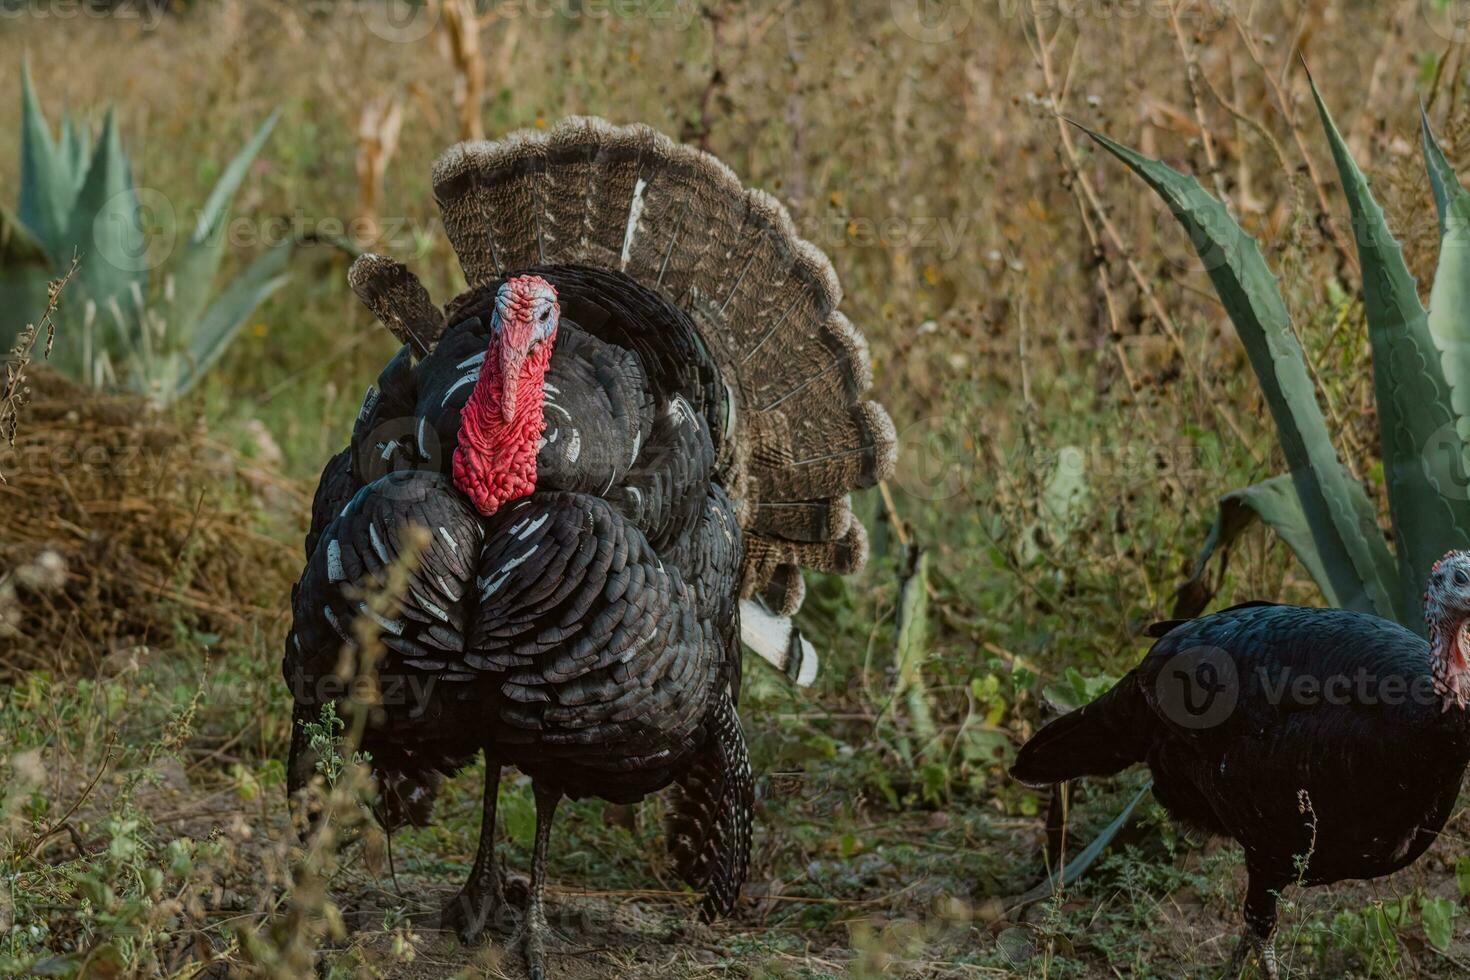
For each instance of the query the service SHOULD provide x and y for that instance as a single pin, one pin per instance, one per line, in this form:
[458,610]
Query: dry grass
[139,519]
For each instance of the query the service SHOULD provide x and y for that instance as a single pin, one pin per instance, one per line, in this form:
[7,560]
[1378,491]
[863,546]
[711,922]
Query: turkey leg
[1260,921]
[536,928]
[481,902]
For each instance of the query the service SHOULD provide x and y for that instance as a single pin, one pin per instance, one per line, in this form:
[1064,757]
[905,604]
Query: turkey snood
[500,428]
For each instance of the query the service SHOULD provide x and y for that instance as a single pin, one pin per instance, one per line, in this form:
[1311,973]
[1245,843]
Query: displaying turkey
[1330,744]
[624,441]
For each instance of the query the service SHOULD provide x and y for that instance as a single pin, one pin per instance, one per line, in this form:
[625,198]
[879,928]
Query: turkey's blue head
[1447,613]
[500,427]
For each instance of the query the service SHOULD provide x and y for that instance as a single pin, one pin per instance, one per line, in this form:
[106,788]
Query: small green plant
[1421,373]
[121,328]
[328,737]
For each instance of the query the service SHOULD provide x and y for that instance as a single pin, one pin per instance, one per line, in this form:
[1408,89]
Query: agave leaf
[1449,311]
[1447,316]
[1344,530]
[1275,502]
[229,182]
[1077,867]
[44,189]
[106,224]
[1442,179]
[227,314]
[1414,417]
[193,275]
[71,154]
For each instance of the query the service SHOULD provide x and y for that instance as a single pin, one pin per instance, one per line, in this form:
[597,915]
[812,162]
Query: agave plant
[140,314]
[1421,375]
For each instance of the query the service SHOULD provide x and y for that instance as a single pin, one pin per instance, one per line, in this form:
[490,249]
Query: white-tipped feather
[775,640]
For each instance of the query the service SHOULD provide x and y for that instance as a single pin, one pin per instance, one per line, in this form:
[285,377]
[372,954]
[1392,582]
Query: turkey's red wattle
[501,425]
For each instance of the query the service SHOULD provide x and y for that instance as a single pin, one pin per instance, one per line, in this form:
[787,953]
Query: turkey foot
[478,906]
[1252,943]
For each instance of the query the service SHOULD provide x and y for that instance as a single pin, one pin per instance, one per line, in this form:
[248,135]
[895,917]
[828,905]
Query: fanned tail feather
[794,428]
[800,433]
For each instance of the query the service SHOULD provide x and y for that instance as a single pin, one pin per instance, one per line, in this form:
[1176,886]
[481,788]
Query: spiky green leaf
[43,203]
[72,153]
[1442,179]
[1344,530]
[228,313]
[1449,311]
[194,273]
[229,182]
[1414,418]
[107,225]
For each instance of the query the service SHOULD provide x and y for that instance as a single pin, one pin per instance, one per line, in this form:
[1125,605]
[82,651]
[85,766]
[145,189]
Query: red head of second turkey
[625,441]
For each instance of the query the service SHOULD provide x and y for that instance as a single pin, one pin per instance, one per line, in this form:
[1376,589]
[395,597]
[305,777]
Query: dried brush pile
[118,528]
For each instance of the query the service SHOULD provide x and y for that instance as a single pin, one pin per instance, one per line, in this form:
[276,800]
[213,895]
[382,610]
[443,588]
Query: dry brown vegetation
[1032,311]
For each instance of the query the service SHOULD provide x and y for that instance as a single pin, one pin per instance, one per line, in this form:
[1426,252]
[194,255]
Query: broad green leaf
[1337,511]
[1449,316]
[1438,916]
[229,182]
[1413,398]
[1449,313]
[227,314]
[912,648]
[106,225]
[194,273]
[42,206]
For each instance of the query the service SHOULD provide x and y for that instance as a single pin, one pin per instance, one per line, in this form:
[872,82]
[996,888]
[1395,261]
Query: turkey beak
[511,359]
